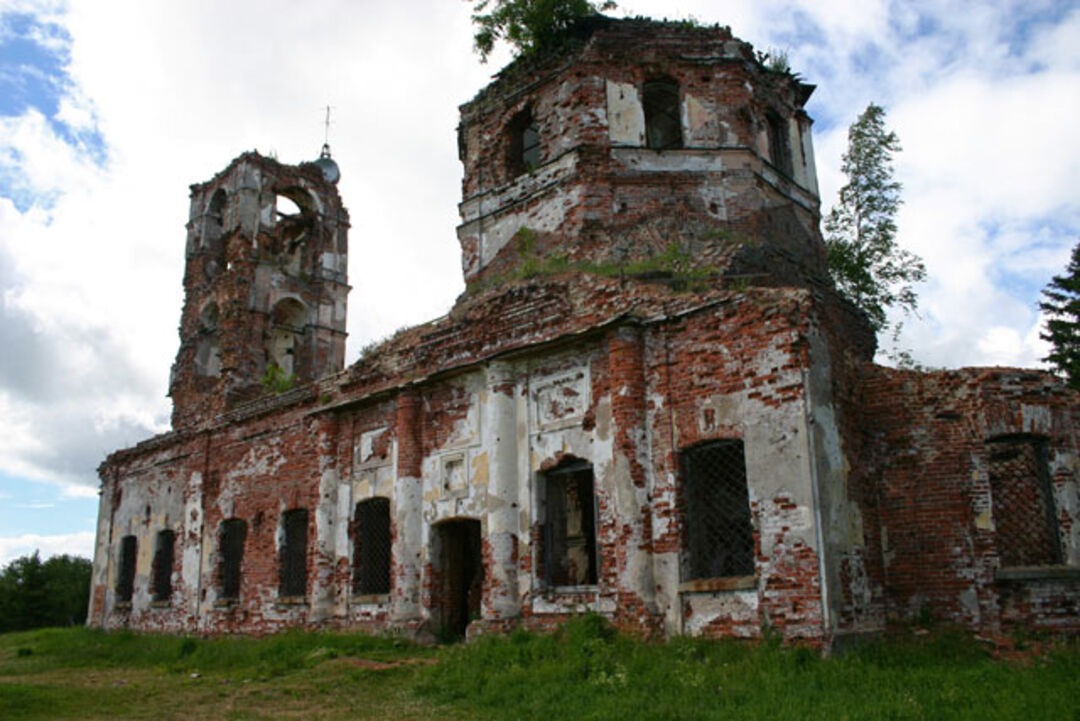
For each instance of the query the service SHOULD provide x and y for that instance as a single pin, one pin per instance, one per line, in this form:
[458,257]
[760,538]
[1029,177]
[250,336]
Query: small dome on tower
[327,165]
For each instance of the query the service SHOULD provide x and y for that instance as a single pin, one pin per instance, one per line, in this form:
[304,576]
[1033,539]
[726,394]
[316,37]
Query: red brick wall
[927,436]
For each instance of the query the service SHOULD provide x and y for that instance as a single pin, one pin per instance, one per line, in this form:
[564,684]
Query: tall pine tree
[860,231]
[1061,303]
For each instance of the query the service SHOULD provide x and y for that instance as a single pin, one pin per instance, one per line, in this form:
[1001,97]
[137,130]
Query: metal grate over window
[719,537]
[663,124]
[371,550]
[1026,527]
[233,533]
[163,564]
[292,579]
[125,581]
[569,544]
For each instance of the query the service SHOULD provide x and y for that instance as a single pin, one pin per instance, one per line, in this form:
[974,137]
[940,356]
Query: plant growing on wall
[1061,304]
[276,381]
[867,265]
[528,25]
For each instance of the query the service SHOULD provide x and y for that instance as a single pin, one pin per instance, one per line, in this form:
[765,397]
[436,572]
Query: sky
[110,109]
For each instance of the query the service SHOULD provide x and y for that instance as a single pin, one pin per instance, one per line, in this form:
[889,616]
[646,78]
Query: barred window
[663,124]
[163,565]
[569,542]
[1024,519]
[231,544]
[292,576]
[125,580]
[719,539]
[371,547]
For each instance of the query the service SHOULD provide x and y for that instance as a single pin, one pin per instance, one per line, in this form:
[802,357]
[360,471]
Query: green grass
[87,674]
[585,671]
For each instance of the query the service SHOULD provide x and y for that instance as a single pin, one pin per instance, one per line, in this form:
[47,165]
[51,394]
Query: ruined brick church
[649,402]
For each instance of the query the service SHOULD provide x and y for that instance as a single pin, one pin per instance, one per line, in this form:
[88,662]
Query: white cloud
[76,544]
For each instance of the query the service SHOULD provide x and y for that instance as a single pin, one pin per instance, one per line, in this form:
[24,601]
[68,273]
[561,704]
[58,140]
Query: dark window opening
[569,543]
[1024,520]
[125,580]
[719,539]
[292,579]
[163,565]
[779,148]
[233,533]
[524,152]
[663,123]
[371,547]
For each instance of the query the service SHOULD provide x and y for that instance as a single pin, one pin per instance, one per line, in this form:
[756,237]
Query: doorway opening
[459,577]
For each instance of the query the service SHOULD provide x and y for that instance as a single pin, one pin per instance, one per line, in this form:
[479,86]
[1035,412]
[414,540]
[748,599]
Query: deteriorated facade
[649,402]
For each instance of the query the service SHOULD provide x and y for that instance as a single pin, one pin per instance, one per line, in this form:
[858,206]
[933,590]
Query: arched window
[371,547]
[208,347]
[214,221]
[523,153]
[294,219]
[125,578]
[292,568]
[288,321]
[230,555]
[163,566]
[718,540]
[663,124]
[569,524]
[211,241]
[779,148]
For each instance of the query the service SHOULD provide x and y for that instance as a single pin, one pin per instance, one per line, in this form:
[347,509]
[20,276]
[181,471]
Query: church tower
[265,285]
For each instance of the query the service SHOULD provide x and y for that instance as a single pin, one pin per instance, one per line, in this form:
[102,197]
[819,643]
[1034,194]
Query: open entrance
[460,575]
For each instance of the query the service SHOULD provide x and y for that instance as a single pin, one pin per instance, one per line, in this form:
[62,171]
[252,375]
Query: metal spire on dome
[326,164]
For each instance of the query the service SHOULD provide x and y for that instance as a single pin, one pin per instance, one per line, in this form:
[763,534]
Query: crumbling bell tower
[265,285]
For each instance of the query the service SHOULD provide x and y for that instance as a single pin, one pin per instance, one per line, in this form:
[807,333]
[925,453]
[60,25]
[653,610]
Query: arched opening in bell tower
[288,321]
[208,346]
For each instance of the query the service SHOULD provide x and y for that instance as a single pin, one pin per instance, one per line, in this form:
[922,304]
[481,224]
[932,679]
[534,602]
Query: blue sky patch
[34,59]
[40,508]
[1029,22]
[1031,252]
[34,70]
